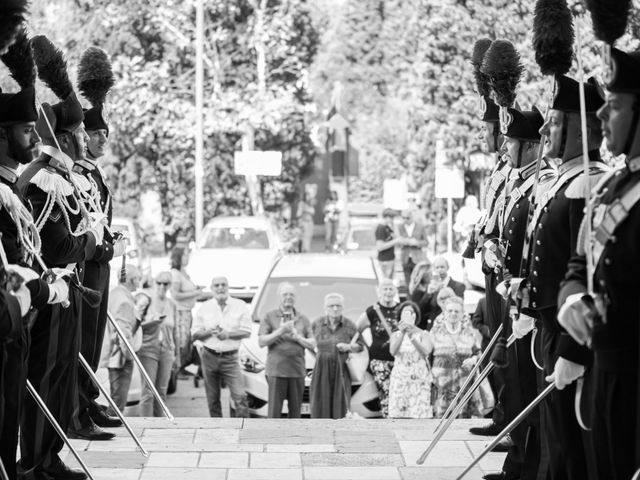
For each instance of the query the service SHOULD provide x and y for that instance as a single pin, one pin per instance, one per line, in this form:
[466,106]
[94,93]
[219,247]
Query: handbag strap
[382,319]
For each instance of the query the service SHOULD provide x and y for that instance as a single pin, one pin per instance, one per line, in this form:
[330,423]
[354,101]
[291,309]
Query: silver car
[313,275]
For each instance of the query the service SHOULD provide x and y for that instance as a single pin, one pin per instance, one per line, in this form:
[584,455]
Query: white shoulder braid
[51,183]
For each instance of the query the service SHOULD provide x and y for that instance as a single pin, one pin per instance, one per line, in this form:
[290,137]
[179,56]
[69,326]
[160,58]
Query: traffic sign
[253,162]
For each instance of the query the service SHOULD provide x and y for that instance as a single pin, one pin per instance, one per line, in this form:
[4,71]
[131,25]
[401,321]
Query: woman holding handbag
[380,320]
[410,385]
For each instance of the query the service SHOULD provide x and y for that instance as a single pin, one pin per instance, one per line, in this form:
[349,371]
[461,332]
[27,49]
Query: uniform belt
[220,354]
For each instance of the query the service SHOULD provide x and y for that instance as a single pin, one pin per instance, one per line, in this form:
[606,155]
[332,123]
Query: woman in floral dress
[410,385]
[455,344]
[380,319]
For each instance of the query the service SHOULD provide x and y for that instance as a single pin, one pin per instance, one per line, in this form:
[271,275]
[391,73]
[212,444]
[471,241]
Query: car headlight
[248,361]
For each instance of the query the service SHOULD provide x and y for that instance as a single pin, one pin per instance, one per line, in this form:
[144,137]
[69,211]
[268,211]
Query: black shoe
[490,430]
[102,419]
[500,476]
[503,445]
[92,432]
[59,471]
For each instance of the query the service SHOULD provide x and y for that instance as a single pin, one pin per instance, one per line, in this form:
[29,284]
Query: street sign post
[449,184]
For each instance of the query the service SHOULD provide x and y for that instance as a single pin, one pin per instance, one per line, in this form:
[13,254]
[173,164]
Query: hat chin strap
[563,141]
[634,126]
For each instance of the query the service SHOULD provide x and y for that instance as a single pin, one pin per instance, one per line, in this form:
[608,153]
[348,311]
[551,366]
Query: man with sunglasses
[220,324]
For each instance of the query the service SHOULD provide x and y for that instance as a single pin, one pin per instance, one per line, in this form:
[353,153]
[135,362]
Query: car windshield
[358,295]
[235,237]
[364,237]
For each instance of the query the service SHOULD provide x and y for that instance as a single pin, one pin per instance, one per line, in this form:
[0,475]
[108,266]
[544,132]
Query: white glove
[98,234]
[119,247]
[565,372]
[577,318]
[523,325]
[23,296]
[468,363]
[490,255]
[58,291]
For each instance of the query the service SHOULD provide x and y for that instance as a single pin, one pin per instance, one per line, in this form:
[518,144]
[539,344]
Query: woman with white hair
[335,336]
[455,347]
[380,319]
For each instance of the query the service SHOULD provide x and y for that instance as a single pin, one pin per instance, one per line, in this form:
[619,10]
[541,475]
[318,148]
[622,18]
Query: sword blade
[509,428]
[56,426]
[113,405]
[143,372]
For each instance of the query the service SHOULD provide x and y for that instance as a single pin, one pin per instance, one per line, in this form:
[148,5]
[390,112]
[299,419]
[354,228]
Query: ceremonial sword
[143,372]
[509,428]
[113,405]
[56,426]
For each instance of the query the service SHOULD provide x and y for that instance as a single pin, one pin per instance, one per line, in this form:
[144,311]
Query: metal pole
[198,166]
[449,226]
[509,428]
[469,378]
[95,380]
[56,426]
[143,372]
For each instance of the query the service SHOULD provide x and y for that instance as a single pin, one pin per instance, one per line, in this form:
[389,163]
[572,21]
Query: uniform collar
[633,165]
[528,170]
[8,174]
[86,164]
[594,156]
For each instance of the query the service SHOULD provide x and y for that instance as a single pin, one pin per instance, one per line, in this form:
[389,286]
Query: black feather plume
[502,65]
[482,82]
[52,67]
[553,36]
[19,60]
[95,77]
[12,15]
[609,18]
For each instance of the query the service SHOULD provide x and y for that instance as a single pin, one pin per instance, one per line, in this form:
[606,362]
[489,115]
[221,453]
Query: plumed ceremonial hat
[567,97]
[488,110]
[12,16]
[20,107]
[525,125]
[623,72]
[95,79]
[52,70]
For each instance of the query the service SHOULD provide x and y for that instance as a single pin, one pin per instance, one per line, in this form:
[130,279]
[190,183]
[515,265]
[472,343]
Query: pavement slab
[258,449]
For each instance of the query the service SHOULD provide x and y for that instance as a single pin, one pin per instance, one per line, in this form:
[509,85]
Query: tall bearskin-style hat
[66,115]
[12,16]
[95,79]
[488,109]
[501,64]
[20,107]
[525,125]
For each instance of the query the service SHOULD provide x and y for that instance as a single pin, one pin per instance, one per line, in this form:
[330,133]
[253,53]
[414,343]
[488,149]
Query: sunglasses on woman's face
[164,284]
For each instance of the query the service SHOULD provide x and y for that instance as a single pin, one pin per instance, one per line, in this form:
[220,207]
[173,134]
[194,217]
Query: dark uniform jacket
[555,236]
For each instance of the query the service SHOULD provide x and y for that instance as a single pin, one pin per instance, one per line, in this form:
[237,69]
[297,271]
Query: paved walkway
[257,449]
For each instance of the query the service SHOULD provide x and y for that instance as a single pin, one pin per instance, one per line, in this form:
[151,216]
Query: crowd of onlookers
[420,351]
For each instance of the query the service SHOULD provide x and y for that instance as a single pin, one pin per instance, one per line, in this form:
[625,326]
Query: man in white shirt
[220,324]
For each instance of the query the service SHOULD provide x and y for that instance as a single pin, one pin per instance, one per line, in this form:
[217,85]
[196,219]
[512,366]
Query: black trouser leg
[13,392]
[94,322]
[53,366]
[615,402]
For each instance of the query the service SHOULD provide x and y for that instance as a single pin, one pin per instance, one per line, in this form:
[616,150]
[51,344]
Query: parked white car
[313,275]
[242,249]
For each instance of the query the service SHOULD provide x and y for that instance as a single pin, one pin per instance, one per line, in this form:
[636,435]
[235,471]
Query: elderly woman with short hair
[455,347]
[335,337]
